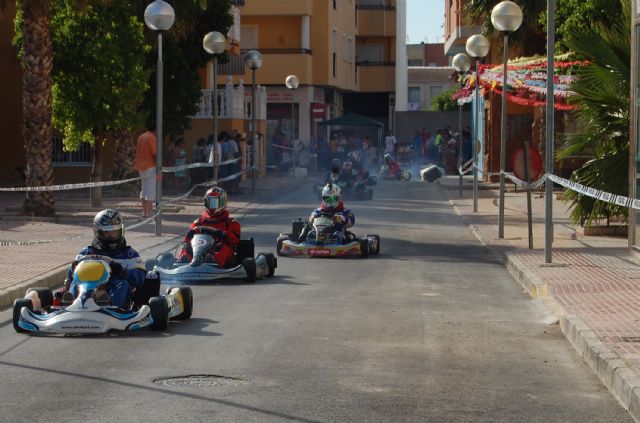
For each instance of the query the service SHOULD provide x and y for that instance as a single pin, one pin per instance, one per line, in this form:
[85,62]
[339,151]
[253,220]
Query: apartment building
[342,51]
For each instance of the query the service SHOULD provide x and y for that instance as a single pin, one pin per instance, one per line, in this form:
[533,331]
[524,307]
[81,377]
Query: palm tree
[529,39]
[37,61]
[602,94]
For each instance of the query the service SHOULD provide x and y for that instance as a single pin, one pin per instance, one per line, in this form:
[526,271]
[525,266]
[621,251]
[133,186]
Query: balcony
[376,20]
[234,102]
[456,40]
[278,8]
[376,77]
[278,63]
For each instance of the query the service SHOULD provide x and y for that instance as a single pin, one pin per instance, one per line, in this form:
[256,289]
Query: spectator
[145,164]
[199,174]
[390,143]
[313,155]
[180,177]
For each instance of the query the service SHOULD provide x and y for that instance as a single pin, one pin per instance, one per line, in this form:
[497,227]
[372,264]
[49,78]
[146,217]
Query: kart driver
[127,269]
[332,204]
[227,232]
[393,165]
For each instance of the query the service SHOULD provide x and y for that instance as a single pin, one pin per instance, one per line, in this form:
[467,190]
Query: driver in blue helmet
[332,204]
[127,269]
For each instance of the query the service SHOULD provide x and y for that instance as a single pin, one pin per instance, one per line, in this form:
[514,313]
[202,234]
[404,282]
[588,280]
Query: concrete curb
[613,372]
[51,279]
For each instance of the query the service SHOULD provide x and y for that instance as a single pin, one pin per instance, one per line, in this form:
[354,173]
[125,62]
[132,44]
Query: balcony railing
[280,51]
[373,63]
[381,5]
[234,102]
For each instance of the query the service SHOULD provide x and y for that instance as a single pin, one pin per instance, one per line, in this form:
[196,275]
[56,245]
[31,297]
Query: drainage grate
[201,381]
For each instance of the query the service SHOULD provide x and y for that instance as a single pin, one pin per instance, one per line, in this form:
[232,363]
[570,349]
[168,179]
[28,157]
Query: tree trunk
[124,153]
[96,172]
[36,106]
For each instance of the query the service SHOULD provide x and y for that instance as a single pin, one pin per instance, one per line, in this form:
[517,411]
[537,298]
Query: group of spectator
[441,148]
[317,154]
[227,146]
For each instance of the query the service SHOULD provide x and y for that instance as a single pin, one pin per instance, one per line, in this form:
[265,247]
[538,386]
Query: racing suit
[339,227]
[222,251]
[128,273]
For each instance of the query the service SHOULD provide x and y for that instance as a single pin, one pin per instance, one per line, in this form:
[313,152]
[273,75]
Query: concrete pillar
[401,56]
[306,31]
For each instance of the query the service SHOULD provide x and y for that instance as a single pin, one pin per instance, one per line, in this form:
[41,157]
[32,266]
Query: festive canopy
[526,82]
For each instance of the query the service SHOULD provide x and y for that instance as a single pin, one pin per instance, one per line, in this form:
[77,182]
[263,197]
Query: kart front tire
[187,301]
[249,266]
[159,313]
[364,247]
[17,310]
[44,295]
[281,239]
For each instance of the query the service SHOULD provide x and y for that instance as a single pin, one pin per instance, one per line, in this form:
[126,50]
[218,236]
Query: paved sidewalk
[44,263]
[592,285]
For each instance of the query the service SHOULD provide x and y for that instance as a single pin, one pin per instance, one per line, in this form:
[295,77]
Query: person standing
[390,143]
[145,164]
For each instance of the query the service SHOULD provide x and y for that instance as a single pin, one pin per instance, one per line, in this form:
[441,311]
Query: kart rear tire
[377,250]
[406,176]
[364,247]
[44,295]
[249,266]
[187,298]
[149,263]
[17,309]
[159,313]
[272,263]
[281,239]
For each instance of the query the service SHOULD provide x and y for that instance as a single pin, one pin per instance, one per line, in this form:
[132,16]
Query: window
[80,158]
[434,90]
[414,95]
[334,48]
[335,4]
[249,37]
[349,49]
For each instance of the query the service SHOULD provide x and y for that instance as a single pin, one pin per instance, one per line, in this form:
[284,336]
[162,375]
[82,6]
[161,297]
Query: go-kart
[244,266]
[388,172]
[354,190]
[316,239]
[91,311]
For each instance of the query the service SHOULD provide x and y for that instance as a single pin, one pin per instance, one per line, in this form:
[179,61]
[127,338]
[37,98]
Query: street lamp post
[461,63]
[548,221]
[159,16]
[477,47]
[214,43]
[292,82]
[506,17]
[253,59]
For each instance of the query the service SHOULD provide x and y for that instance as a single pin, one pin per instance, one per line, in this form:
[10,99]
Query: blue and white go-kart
[244,265]
[91,311]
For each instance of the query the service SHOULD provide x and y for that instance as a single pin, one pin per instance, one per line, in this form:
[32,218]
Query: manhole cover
[630,338]
[201,381]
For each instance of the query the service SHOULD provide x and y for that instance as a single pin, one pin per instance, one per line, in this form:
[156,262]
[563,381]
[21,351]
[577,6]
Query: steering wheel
[204,230]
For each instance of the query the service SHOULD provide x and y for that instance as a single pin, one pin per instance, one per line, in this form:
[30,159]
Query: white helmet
[331,196]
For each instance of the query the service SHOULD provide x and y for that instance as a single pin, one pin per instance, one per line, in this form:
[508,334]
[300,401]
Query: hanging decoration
[526,82]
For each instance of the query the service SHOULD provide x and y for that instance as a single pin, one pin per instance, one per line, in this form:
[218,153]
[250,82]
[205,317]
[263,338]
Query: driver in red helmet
[227,234]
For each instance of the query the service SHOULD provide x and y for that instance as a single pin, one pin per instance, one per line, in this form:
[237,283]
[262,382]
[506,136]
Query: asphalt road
[432,330]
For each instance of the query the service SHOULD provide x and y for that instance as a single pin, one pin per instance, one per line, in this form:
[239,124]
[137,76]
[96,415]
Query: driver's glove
[117,270]
[338,218]
[189,235]
[218,234]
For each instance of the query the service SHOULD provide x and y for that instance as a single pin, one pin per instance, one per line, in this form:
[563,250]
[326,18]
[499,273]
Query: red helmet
[215,201]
